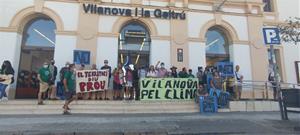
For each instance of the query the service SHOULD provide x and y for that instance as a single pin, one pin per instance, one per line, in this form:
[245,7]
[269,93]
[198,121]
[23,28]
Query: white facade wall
[160,51]
[196,21]
[197,55]
[200,7]
[162,26]
[9,8]
[155,3]
[289,61]
[107,49]
[68,12]
[106,23]
[240,55]
[240,25]
[64,48]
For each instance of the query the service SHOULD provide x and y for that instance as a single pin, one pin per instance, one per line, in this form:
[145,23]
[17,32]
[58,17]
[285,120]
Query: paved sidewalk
[191,123]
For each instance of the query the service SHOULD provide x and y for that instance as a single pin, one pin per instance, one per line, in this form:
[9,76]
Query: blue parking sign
[271,36]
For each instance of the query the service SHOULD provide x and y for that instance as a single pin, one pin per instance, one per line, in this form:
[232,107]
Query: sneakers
[40,103]
[67,107]
[66,113]
[4,99]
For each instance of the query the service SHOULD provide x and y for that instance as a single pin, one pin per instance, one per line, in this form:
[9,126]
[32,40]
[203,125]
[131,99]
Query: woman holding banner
[152,73]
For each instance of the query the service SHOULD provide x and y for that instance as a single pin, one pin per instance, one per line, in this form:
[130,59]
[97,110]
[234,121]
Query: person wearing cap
[70,88]
[53,73]
[44,77]
[106,67]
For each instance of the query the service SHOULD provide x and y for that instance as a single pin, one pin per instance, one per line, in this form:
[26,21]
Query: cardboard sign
[168,88]
[91,80]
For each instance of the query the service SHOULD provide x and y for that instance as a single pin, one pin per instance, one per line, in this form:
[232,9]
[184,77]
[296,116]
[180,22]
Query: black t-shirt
[107,67]
[135,76]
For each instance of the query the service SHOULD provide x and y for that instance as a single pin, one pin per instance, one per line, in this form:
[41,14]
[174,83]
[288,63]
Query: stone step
[107,107]
[97,102]
[99,107]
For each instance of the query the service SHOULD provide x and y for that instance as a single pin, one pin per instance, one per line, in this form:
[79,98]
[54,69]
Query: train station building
[181,33]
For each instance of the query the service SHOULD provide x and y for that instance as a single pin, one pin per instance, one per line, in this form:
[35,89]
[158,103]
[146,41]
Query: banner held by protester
[168,88]
[91,80]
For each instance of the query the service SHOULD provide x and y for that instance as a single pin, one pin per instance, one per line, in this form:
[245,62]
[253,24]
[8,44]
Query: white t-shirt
[152,74]
[238,77]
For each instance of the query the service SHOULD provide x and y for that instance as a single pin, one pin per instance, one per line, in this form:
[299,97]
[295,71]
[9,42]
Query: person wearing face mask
[162,71]
[106,67]
[69,87]
[6,78]
[44,78]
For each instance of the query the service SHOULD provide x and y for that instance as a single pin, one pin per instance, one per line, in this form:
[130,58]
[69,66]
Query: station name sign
[137,12]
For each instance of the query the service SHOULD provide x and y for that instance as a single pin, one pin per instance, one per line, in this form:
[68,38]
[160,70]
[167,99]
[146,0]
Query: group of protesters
[125,80]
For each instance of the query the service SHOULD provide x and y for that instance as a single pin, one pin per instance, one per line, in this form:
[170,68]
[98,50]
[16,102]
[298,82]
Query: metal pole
[279,95]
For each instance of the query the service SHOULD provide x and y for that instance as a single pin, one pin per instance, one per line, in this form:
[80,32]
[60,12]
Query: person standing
[129,83]
[152,73]
[174,72]
[272,80]
[136,79]
[161,71]
[183,73]
[200,74]
[60,84]
[6,78]
[239,81]
[117,84]
[53,74]
[142,72]
[44,78]
[93,95]
[69,86]
[106,67]
[190,74]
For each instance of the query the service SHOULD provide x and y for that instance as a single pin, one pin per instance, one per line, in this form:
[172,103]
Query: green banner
[168,88]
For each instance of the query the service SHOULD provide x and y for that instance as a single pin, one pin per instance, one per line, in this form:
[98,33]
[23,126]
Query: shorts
[128,84]
[69,95]
[117,86]
[44,87]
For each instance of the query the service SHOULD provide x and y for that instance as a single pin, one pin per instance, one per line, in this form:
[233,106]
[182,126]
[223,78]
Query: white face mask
[45,66]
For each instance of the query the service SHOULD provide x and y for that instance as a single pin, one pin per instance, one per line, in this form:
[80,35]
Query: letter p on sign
[271,36]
